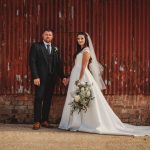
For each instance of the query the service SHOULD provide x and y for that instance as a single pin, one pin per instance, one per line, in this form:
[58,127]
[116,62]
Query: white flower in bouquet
[83,83]
[82,93]
[76,98]
[87,89]
[82,89]
[82,97]
[88,93]
[77,88]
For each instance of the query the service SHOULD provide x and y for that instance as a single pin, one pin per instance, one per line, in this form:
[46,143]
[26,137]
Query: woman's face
[81,40]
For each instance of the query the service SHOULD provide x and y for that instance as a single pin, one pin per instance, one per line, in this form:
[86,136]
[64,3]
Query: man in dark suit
[45,65]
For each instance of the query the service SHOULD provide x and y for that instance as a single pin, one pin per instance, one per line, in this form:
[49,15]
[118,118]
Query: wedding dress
[99,118]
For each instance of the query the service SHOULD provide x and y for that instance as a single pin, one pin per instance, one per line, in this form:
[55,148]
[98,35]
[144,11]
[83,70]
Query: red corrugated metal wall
[120,30]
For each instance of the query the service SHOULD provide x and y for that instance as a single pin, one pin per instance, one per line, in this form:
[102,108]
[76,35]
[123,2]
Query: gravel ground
[22,137]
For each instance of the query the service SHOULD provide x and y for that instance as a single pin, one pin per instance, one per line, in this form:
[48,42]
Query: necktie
[49,48]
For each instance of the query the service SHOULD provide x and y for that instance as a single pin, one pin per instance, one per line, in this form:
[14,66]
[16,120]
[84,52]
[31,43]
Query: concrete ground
[22,137]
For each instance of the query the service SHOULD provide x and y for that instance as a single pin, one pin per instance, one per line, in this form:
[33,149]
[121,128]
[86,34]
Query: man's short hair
[48,30]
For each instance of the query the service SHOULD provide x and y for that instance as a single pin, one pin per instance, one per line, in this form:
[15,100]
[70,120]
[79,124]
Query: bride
[99,117]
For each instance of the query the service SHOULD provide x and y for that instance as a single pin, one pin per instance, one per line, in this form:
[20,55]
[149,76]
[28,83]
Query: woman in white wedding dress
[99,117]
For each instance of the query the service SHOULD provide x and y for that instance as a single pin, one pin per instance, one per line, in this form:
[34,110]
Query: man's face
[47,36]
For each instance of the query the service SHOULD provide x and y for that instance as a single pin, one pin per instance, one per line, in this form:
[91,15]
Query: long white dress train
[99,117]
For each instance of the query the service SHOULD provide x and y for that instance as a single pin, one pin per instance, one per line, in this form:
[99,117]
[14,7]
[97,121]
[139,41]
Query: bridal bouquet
[81,97]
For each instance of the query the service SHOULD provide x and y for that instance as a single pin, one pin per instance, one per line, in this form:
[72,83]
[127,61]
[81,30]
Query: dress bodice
[78,60]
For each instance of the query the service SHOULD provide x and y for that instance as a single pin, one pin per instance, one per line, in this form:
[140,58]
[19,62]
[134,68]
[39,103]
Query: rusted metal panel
[120,30]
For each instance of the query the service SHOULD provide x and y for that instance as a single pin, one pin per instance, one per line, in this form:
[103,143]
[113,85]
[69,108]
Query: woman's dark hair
[86,44]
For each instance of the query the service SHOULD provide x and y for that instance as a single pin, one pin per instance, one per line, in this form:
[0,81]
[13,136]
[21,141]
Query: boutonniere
[56,49]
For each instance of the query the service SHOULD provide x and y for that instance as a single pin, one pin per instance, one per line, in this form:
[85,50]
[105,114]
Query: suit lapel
[53,49]
[43,48]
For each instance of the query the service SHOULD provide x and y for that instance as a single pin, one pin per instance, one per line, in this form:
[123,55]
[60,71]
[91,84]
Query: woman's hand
[78,82]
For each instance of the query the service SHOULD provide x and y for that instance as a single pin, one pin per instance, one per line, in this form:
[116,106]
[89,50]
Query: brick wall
[19,109]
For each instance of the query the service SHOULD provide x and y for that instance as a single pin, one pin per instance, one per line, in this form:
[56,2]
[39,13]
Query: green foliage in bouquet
[81,97]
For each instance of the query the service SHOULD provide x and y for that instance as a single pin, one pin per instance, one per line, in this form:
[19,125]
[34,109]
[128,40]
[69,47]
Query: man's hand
[37,82]
[65,81]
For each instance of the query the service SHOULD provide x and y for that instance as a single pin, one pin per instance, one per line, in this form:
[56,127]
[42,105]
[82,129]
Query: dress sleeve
[86,49]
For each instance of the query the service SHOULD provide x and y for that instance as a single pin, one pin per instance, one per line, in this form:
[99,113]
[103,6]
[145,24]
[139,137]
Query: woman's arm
[85,60]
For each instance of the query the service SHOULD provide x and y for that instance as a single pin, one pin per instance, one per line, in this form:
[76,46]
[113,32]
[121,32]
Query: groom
[45,65]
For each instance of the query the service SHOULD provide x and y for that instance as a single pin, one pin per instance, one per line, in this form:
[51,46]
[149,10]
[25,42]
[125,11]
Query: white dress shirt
[50,47]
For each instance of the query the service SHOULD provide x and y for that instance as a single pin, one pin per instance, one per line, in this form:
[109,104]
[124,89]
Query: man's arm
[60,66]
[32,62]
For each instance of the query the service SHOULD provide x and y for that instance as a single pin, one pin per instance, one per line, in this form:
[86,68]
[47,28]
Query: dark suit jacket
[39,64]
